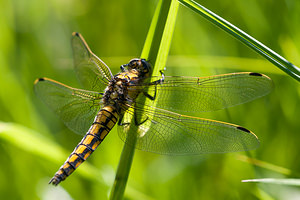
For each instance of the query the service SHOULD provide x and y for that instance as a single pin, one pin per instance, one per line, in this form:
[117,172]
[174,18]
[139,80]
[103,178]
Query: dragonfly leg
[162,76]
[120,123]
[122,67]
[137,123]
[160,81]
[149,96]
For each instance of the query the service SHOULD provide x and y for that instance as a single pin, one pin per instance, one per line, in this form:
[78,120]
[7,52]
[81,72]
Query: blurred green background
[35,42]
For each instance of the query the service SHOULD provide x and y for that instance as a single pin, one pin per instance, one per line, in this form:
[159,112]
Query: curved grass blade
[267,165]
[279,181]
[257,46]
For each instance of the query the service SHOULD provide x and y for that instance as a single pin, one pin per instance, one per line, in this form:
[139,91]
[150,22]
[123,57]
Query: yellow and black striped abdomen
[104,121]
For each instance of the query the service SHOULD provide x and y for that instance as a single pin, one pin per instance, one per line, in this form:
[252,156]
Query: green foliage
[35,42]
[260,48]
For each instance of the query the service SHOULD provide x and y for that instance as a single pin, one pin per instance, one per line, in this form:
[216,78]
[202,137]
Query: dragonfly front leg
[122,67]
[160,81]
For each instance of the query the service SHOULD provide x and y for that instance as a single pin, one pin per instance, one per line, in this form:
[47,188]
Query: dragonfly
[149,110]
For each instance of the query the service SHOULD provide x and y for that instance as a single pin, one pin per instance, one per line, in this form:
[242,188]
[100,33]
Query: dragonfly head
[140,66]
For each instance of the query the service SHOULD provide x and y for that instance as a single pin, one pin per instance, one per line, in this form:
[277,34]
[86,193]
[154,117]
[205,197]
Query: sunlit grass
[286,181]
[254,44]
[36,42]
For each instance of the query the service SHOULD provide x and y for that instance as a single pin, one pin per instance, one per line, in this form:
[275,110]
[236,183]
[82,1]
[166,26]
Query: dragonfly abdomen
[104,121]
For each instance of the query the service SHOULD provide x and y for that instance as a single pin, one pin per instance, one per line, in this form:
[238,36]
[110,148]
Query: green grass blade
[286,181]
[155,31]
[123,171]
[266,165]
[155,51]
[162,54]
[257,46]
[158,41]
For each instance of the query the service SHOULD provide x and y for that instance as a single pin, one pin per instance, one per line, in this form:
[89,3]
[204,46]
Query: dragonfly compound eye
[140,65]
[134,63]
[146,67]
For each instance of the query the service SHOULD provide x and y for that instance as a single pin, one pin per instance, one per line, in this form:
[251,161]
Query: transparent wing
[208,93]
[92,72]
[166,132]
[77,108]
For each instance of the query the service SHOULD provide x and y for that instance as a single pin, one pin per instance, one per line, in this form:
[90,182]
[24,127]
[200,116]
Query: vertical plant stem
[123,171]
[156,46]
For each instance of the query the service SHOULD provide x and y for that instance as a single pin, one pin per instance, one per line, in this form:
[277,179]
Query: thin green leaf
[265,165]
[123,171]
[257,46]
[286,181]
[158,41]
[162,54]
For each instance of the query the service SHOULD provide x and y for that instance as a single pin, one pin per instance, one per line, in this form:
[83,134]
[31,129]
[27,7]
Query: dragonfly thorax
[125,86]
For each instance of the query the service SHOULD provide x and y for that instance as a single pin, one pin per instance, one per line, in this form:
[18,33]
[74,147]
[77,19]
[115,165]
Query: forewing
[76,108]
[170,133]
[92,72]
[191,94]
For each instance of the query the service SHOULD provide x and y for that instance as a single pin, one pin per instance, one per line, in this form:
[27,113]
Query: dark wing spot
[38,80]
[255,74]
[75,34]
[243,129]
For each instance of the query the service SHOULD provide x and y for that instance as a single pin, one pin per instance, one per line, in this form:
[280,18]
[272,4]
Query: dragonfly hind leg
[120,123]
[149,96]
[136,121]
